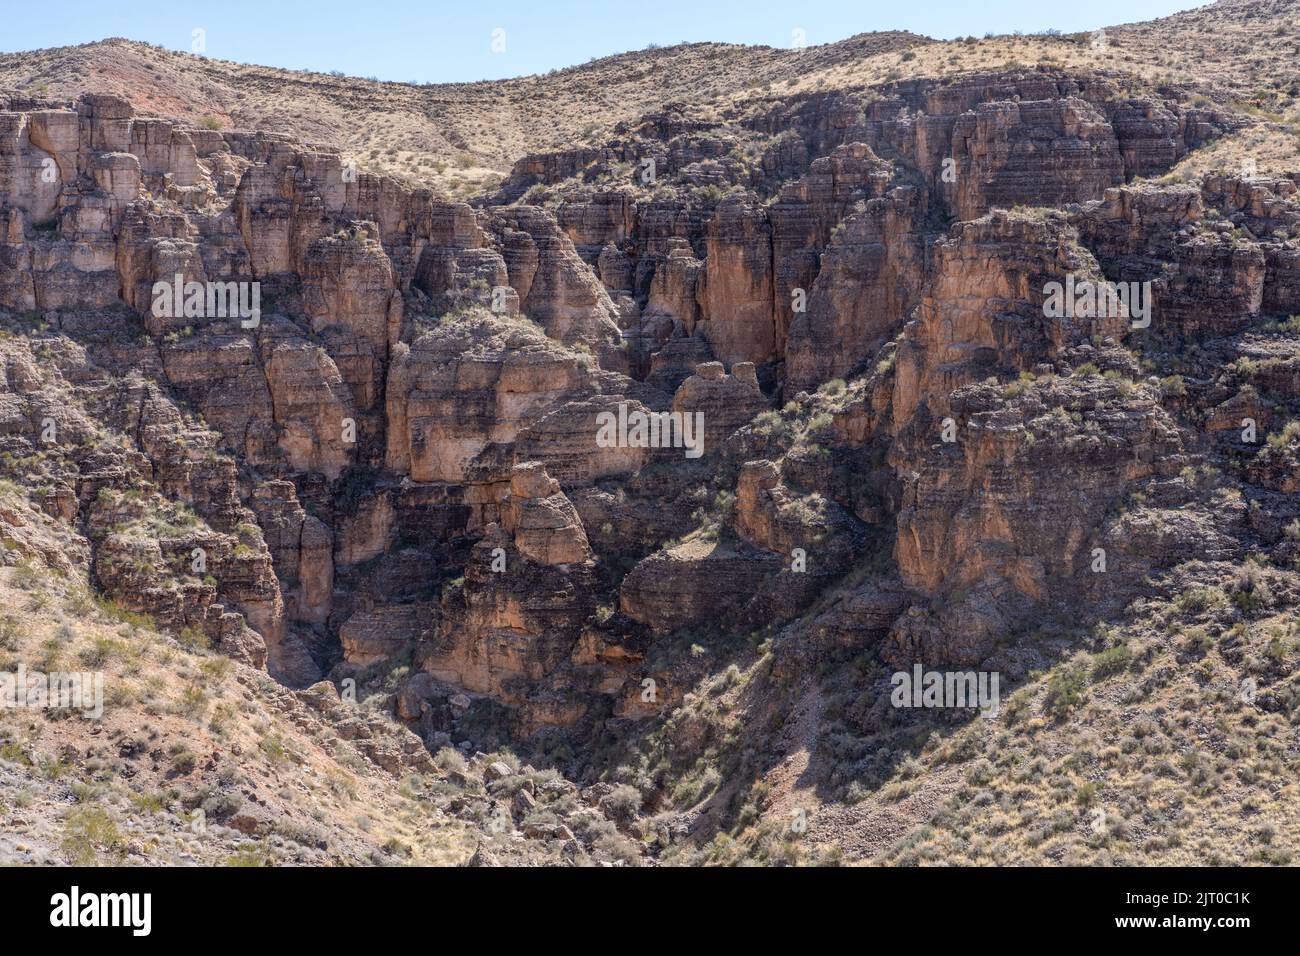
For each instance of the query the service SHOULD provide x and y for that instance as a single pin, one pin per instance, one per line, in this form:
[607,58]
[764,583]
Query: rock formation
[441,457]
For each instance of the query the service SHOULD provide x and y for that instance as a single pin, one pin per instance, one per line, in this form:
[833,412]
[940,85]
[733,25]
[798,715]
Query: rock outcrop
[409,459]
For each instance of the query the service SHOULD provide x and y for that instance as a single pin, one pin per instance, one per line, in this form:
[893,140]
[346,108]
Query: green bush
[1065,692]
[88,831]
[1111,661]
[1172,386]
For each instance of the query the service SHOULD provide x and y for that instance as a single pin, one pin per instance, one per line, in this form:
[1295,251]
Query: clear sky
[434,41]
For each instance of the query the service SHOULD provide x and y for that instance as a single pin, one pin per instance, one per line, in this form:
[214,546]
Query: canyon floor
[319,401]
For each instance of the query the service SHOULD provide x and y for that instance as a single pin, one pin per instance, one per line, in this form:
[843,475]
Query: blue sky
[434,41]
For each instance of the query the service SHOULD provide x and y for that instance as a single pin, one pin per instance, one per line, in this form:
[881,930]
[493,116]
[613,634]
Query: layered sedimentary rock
[350,291]
[384,633]
[545,525]
[721,401]
[301,547]
[968,455]
[699,582]
[985,309]
[409,456]
[513,624]
[869,281]
[465,386]
[736,287]
[1033,153]
[555,287]
[845,216]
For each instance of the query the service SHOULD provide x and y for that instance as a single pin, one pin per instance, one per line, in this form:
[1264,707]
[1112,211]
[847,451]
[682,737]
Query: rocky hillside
[339,481]
[456,136]
[460,138]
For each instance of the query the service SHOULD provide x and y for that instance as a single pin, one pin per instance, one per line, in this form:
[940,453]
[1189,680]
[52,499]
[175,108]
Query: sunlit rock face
[843,295]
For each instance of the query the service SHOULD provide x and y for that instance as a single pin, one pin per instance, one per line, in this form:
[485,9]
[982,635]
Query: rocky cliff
[709,407]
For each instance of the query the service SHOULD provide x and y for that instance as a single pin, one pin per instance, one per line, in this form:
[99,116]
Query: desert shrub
[1198,599]
[87,832]
[273,746]
[1279,440]
[1064,692]
[101,651]
[250,854]
[1172,386]
[221,805]
[623,802]
[183,759]
[449,758]
[1111,661]
[9,628]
